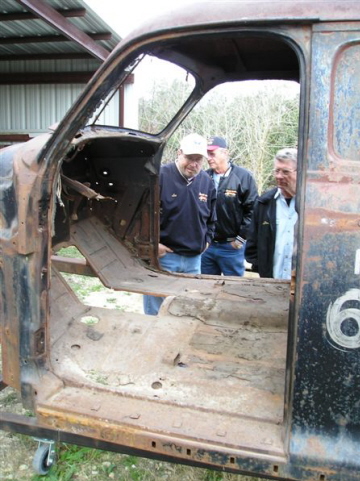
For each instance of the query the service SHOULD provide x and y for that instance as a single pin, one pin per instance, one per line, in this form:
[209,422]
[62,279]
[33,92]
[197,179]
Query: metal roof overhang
[52,30]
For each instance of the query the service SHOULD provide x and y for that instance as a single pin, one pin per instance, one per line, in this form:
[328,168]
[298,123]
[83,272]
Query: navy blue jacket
[187,211]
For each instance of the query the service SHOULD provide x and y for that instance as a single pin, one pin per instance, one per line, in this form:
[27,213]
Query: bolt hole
[232,460]
[153,444]
[188,452]
[275,468]
[322,477]
[156,385]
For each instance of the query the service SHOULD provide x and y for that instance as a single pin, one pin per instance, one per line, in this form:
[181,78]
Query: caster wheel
[43,459]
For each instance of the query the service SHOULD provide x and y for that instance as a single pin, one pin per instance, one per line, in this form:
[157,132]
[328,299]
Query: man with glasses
[236,194]
[187,212]
[270,241]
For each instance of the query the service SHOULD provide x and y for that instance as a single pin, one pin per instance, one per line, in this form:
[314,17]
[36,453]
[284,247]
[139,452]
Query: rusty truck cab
[246,375]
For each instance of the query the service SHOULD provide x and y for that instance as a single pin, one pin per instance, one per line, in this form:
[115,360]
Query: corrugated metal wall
[33,108]
[67,65]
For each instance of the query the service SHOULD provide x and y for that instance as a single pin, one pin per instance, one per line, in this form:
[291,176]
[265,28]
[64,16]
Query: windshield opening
[148,99]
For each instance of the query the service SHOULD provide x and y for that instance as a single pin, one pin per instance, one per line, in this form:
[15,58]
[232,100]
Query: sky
[123,17]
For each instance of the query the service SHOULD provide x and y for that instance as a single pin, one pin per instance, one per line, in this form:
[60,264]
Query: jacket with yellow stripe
[235,199]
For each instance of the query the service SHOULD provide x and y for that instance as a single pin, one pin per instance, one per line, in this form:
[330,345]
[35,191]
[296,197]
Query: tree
[161,104]
[256,121]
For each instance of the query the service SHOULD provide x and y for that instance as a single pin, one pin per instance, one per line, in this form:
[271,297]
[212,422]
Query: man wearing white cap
[187,212]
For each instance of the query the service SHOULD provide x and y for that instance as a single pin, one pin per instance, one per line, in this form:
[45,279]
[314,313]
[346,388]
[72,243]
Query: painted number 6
[342,322]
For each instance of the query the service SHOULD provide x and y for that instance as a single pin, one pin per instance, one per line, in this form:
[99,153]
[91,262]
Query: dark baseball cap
[216,143]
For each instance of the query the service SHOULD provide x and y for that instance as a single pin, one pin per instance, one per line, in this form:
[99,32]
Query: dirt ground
[16,452]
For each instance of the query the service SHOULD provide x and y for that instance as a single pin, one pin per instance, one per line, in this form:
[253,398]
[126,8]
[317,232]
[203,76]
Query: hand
[236,244]
[163,250]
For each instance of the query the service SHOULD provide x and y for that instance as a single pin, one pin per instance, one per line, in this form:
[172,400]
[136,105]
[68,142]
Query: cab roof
[220,12]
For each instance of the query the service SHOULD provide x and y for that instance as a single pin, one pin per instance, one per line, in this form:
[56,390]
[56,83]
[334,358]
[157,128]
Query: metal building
[49,49]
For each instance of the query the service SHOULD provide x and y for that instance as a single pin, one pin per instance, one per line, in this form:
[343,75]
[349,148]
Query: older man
[270,241]
[236,194]
[187,212]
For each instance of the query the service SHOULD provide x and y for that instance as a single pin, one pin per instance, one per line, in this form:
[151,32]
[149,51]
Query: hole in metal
[156,385]
[89,320]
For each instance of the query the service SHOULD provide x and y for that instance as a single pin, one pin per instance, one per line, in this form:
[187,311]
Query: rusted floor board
[216,351]
[118,270]
[214,365]
[131,421]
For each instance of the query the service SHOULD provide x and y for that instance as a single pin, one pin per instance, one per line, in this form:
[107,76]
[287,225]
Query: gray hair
[286,155]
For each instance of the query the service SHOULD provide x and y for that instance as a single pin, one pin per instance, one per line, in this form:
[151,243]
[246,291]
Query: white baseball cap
[194,144]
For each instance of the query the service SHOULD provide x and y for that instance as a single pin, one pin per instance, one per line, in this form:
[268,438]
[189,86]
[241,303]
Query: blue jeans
[172,263]
[223,258]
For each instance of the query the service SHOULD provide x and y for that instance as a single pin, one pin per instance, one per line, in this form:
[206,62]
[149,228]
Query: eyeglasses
[284,172]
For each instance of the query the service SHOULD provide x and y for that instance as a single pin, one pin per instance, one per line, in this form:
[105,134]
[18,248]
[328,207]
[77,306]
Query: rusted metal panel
[258,11]
[137,395]
[72,266]
[247,375]
[325,413]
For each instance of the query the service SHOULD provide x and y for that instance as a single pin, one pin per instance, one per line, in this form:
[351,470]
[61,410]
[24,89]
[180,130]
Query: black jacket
[260,245]
[235,199]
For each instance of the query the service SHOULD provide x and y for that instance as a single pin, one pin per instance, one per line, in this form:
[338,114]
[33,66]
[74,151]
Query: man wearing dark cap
[236,194]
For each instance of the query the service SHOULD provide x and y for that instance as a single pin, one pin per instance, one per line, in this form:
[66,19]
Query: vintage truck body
[246,375]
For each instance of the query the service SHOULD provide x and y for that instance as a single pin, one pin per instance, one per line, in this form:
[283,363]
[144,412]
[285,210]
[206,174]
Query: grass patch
[69,459]
[70,251]
[83,285]
[74,463]
[10,398]
[111,300]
